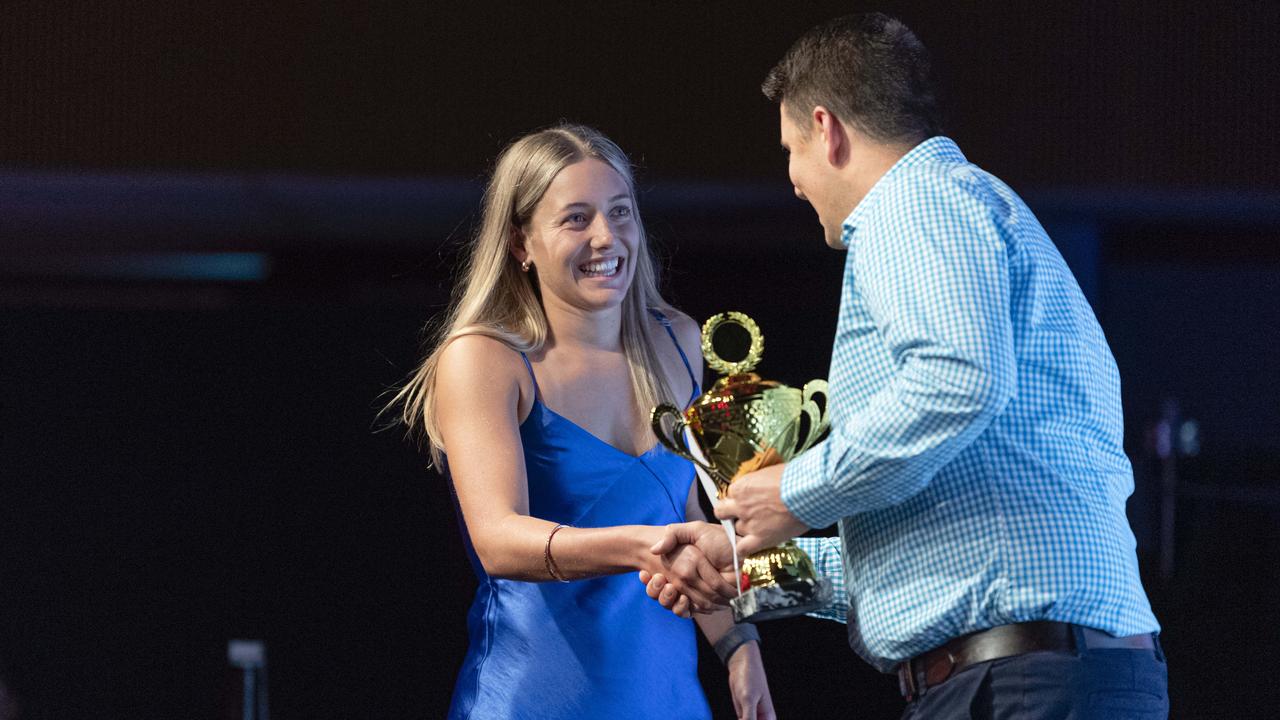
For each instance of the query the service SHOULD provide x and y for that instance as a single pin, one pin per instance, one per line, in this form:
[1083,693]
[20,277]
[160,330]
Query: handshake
[692,568]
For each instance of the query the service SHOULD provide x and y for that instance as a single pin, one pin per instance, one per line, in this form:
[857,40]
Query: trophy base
[771,602]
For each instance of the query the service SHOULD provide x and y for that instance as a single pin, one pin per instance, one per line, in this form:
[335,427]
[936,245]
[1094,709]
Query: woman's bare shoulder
[687,330]
[479,358]
[689,338]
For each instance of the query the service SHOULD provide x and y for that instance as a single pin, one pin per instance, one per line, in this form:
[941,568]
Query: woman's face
[583,237]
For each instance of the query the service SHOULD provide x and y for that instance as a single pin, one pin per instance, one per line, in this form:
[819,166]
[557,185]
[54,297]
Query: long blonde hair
[496,299]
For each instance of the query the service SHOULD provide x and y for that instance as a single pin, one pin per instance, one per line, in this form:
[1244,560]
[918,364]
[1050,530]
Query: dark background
[222,226]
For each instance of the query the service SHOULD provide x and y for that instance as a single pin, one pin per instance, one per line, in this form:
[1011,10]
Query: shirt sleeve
[932,272]
[825,553]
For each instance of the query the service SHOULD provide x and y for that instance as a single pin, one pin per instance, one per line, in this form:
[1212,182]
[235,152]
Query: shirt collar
[936,149]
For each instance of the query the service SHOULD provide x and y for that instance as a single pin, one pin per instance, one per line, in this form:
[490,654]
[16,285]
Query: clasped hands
[695,571]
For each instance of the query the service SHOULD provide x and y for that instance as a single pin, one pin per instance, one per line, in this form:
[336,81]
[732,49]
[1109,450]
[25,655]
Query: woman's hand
[748,684]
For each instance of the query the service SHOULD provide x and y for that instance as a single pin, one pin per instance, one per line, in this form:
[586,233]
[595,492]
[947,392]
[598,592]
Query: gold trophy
[744,423]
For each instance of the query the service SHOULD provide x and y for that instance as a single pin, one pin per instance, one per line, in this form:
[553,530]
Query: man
[975,462]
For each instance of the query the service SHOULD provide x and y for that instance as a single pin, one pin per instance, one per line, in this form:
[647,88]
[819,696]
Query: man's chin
[835,240]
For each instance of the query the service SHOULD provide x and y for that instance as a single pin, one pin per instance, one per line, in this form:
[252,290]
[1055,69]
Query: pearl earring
[526,265]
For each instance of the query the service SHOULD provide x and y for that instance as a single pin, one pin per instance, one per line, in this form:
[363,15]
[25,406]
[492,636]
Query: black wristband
[737,636]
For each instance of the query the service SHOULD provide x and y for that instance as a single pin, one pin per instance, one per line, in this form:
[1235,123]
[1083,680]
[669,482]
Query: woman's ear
[516,243]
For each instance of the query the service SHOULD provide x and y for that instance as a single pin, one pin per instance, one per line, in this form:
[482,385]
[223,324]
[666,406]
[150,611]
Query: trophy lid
[738,382]
[742,418]
[754,352]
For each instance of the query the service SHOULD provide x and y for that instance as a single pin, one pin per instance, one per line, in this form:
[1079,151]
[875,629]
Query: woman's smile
[603,268]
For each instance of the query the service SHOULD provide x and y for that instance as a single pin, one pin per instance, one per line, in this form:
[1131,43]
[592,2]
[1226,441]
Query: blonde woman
[535,400]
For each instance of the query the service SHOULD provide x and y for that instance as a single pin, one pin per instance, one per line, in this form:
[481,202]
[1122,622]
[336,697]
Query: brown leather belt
[940,663]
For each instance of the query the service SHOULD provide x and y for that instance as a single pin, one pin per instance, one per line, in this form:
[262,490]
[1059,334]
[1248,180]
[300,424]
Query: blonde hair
[496,299]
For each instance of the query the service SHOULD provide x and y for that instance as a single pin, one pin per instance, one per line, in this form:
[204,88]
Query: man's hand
[694,556]
[710,539]
[755,500]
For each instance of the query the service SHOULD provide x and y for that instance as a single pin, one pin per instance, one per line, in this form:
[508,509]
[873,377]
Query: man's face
[812,176]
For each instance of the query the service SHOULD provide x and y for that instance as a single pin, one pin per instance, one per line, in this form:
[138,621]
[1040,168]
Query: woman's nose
[602,233]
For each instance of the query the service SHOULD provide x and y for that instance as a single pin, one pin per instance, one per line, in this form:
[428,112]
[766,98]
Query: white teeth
[603,267]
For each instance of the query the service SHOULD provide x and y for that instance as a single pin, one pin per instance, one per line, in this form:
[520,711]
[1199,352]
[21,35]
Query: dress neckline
[537,402]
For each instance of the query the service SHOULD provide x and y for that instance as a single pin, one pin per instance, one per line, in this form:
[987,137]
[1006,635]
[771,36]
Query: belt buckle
[951,668]
[910,687]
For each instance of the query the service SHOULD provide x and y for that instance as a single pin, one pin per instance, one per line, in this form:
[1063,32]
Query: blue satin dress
[596,648]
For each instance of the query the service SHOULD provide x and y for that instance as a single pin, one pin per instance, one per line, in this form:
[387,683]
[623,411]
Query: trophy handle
[672,437]
[819,417]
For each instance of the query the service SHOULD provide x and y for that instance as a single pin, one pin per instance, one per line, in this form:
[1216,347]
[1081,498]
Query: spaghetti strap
[537,395]
[666,323]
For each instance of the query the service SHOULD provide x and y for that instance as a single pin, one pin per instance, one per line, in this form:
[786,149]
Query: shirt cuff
[825,554]
[807,492]
[829,562]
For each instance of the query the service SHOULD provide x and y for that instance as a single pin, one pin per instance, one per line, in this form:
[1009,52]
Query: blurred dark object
[1169,439]
[1174,463]
[9,707]
[247,698]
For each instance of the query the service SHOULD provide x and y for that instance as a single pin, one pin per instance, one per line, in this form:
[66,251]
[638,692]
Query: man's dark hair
[869,69]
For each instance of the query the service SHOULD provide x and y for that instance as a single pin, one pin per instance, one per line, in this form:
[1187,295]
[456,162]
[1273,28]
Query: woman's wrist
[553,570]
[646,537]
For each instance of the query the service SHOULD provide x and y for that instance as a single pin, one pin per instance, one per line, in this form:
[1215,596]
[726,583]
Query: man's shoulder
[942,176]
[927,191]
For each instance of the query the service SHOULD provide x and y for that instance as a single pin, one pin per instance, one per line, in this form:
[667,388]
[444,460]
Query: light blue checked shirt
[975,461]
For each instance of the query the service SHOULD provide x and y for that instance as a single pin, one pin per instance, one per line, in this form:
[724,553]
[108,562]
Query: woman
[538,391]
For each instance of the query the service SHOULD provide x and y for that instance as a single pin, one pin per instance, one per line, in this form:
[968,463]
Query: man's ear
[833,134]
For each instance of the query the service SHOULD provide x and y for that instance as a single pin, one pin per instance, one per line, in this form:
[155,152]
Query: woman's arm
[478,395]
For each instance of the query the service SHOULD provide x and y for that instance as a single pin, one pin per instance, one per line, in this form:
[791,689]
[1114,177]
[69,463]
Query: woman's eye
[576,219]
[622,212]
